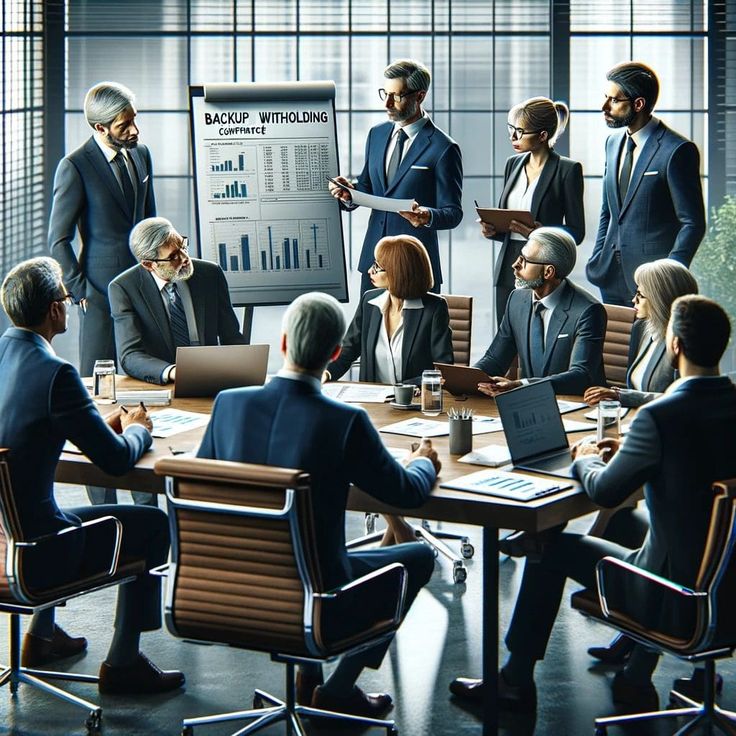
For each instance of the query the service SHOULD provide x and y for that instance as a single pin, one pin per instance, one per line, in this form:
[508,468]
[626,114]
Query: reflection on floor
[439,639]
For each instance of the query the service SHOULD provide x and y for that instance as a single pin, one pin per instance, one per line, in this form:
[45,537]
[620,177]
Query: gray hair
[29,289]
[105,101]
[662,281]
[314,326]
[556,247]
[149,235]
[417,75]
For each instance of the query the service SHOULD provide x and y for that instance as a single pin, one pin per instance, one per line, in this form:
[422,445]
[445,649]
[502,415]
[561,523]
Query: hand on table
[136,415]
[498,385]
[425,449]
[594,394]
[605,449]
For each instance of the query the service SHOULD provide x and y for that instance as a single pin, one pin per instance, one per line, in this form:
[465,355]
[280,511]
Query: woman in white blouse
[658,284]
[399,328]
[538,180]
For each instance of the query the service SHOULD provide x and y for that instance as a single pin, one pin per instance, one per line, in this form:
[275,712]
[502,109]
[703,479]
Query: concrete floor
[439,639]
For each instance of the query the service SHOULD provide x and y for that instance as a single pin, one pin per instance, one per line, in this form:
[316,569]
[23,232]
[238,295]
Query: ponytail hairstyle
[540,114]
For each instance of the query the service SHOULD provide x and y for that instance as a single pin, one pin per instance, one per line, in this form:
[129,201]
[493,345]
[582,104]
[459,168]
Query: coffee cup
[403,393]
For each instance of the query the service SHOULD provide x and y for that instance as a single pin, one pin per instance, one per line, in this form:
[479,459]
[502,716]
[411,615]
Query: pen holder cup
[461,435]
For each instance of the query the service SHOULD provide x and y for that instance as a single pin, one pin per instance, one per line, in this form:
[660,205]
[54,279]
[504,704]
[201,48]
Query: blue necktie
[536,341]
[625,179]
[177,317]
[127,185]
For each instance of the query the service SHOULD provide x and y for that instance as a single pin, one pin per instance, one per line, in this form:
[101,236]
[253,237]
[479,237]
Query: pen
[475,202]
[123,409]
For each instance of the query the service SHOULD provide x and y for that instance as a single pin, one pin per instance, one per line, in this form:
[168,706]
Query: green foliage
[714,264]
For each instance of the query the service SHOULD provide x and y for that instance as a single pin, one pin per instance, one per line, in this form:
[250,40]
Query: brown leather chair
[616,343]
[20,553]
[245,573]
[461,324]
[701,622]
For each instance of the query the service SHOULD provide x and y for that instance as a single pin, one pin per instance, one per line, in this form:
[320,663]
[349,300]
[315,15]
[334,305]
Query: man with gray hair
[652,196]
[408,157]
[168,300]
[101,190]
[555,327]
[290,423]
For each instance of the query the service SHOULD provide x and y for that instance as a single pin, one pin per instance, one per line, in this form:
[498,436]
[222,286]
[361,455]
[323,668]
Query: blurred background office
[484,56]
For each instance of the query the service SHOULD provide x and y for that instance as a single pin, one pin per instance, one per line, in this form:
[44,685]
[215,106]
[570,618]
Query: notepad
[515,486]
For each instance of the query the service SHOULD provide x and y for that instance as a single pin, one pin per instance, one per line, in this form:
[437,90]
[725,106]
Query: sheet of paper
[359,393]
[508,485]
[493,456]
[486,425]
[566,406]
[418,427]
[593,413]
[169,422]
[385,204]
[573,426]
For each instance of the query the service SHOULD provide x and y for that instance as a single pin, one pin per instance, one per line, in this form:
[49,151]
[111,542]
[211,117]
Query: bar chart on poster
[262,156]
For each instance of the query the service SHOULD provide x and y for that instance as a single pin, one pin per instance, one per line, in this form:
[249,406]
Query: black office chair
[700,625]
[20,553]
[245,573]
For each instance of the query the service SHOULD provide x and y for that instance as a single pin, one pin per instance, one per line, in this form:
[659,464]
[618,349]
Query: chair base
[15,675]
[268,709]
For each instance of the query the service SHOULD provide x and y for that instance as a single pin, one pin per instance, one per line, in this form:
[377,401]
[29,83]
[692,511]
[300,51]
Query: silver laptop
[206,370]
[534,430]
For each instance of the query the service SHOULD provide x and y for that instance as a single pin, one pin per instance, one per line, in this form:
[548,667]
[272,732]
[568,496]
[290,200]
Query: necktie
[623,182]
[396,154]
[128,192]
[536,341]
[177,317]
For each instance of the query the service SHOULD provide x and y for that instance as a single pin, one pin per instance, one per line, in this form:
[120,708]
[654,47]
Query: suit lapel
[104,169]
[657,356]
[374,316]
[419,144]
[411,318]
[549,170]
[642,164]
[614,157]
[152,298]
[141,181]
[556,323]
[514,174]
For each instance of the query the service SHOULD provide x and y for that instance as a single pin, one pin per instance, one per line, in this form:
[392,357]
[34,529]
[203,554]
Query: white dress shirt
[640,138]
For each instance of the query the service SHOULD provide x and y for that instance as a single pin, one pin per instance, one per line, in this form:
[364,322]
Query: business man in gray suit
[167,301]
[652,197]
[555,327]
[101,189]
[677,446]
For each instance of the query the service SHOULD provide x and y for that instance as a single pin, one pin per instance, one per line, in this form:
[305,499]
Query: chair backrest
[461,324]
[616,343]
[243,555]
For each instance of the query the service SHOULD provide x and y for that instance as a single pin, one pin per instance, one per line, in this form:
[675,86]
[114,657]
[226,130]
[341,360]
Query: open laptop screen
[531,421]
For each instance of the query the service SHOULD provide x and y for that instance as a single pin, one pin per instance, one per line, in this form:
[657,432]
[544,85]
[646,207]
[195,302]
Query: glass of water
[431,393]
[104,382]
[609,420]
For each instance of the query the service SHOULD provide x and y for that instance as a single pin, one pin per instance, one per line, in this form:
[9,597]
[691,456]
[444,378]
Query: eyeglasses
[638,296]
[179,254]
[376,268]
[519,133]
[69,300]
[616,100]
[395,96]
[524,260]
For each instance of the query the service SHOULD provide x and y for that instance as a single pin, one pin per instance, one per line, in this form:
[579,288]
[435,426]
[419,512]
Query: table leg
[490,630]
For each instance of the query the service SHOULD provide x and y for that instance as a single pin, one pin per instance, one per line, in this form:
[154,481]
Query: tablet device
[461,379]
[501,219]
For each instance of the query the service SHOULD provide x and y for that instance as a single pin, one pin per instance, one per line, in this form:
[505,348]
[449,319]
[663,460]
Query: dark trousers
[505,279]
[98,495]
[566,556]
[145,535]
[96,336]
[616,291]
[417,558]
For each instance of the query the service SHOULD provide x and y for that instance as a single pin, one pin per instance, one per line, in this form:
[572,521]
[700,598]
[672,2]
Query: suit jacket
[663,214]
[290,423]
[573,356]
[427,339]
[88,197]
[677,447]
[143,336]
[658,374]
[44,403]
[431,172]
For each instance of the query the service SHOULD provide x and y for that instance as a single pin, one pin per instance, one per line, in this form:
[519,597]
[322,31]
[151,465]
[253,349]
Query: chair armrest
[375,598]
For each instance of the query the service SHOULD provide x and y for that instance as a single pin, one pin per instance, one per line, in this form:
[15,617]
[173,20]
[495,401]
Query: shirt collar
[107,152]
[412,129]
[551,300]
[47,344]
[382,301]
[312,381]
[160,283]
[643,134]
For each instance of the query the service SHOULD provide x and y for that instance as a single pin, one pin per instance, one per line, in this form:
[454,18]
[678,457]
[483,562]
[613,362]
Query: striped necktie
[177,317]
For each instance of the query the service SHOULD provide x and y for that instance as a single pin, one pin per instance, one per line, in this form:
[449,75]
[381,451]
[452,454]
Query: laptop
[461,379]
[206,370]
[534,431]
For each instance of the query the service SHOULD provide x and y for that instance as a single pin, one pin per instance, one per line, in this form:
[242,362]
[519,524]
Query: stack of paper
[359,393]
[150,397]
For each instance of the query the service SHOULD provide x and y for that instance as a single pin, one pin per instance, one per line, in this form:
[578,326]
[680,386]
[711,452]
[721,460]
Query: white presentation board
[262,154]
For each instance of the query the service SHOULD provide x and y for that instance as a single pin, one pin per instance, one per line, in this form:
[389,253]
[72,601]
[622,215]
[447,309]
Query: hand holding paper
[417,216]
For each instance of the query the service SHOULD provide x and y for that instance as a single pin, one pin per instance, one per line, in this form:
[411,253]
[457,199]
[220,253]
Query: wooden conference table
[444,505]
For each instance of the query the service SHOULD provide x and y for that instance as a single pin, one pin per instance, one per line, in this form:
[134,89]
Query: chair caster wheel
[187,731]
[94,722]
[459,574]
[258,702]
[466,549]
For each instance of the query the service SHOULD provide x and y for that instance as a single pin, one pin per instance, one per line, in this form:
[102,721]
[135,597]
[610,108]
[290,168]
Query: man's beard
[172,274]
[119,143]
[622,121]
[408,112]
[520,283]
